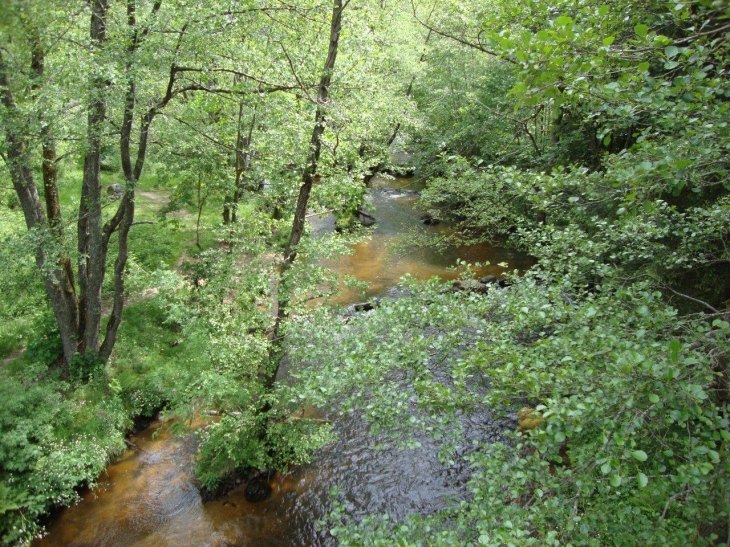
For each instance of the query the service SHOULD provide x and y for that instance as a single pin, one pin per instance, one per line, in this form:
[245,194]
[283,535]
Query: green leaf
[608,40]
[675,346]
[616,481]
[644,66]
[639,455]
[603,11]
[641,30]
[654,398]
[671,51]
[642,479]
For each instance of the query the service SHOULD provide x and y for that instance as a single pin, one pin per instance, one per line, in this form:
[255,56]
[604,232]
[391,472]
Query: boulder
[258,489]
[429,220]
[366,219]
[471,285]
[115,190]
[489,279]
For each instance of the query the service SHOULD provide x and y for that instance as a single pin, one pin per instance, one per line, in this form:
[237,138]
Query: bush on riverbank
[56,435]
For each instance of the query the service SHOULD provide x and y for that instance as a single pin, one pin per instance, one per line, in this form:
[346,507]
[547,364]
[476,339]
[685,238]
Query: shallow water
[390,252]
[148,496]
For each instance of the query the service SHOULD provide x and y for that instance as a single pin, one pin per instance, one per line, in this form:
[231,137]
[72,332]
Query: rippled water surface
[148,496]
[390,254]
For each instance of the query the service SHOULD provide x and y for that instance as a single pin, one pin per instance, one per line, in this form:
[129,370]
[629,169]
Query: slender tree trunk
[66,308]
[202,198]
[58,280]
[242,163]
[315,147]
[230,206]
[315,143]
[409,91]
[123,220]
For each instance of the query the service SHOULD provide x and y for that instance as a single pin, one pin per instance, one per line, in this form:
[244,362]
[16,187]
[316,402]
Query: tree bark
[92,252]
[315,146]
[58,280]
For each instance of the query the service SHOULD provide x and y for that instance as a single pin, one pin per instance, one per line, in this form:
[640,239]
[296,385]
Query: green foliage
[632,180]
[224,356]
[631,419]
[22,305]
[593,137]
[625,195]
[54,438]
[84,368]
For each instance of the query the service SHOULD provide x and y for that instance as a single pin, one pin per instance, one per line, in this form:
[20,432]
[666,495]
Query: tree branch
[461,41]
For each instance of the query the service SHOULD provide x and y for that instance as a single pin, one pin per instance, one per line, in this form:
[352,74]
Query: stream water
[148,496]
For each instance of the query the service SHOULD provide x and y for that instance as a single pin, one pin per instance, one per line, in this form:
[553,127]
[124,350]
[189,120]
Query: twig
[688,297]
[669,502]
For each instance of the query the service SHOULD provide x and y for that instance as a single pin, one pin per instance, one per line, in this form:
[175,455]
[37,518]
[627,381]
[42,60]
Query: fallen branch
[136,447]
[322,213]
[693,299]
[318,420]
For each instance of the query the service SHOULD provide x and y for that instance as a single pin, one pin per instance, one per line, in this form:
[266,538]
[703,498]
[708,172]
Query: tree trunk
[124,217]
[242,163]
[315,145]
[92,251]
[58,280]
[409,91]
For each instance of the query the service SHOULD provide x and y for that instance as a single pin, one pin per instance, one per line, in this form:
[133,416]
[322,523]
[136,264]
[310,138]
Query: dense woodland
[592,136]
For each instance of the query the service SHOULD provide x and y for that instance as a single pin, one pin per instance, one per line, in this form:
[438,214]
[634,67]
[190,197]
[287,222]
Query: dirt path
[13,356]
[158,197]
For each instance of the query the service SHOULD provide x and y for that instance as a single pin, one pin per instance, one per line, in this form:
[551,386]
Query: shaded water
[148,497]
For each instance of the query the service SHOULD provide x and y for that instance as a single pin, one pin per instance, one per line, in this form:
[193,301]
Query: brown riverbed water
[383,259]
[148,496]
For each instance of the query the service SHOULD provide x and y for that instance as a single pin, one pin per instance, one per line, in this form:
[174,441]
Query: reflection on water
[390,253]
[148,497]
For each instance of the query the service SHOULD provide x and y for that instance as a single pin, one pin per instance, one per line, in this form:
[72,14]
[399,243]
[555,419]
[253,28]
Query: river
[148,496]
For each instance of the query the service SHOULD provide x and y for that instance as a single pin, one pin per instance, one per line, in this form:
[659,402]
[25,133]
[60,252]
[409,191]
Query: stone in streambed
[258,489]
[470,285]
[528,418]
